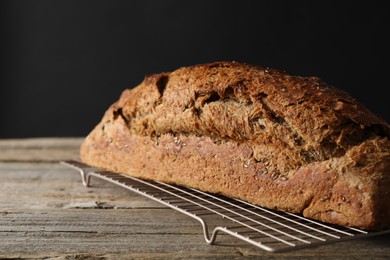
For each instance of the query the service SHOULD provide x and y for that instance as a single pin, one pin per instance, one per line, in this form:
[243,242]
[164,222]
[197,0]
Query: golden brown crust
[261,135]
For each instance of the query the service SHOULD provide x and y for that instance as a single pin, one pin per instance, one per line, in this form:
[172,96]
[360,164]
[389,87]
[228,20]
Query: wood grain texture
[39,149]
[45,213]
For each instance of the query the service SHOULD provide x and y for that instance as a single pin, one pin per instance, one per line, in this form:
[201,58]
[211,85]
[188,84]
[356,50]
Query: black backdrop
[64,62]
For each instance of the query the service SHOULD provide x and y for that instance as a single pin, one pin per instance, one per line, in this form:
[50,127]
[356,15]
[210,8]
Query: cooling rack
[273,231]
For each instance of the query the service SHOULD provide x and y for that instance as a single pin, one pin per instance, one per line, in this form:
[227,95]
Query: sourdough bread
[279,141]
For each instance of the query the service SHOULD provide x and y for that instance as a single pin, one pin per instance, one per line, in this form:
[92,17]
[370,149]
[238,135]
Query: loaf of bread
[275,140]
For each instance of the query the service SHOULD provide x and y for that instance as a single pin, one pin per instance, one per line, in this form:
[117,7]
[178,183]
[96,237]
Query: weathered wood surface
[45,213]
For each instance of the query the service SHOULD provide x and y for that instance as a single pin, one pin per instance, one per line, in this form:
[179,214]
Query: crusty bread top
[299,118]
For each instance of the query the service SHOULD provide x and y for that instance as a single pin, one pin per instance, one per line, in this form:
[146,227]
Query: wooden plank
[39,149]
[45,212]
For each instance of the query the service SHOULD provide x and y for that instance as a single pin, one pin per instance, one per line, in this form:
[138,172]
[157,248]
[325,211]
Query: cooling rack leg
[85,177]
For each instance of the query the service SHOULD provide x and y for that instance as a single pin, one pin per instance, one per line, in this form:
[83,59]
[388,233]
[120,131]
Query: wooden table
[45,212]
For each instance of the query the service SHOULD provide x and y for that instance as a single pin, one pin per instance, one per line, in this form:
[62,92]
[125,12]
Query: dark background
[64,62]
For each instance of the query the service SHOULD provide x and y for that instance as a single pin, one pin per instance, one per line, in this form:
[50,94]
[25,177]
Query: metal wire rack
[270,230]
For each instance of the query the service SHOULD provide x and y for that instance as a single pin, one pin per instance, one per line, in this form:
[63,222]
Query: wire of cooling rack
[270,230]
